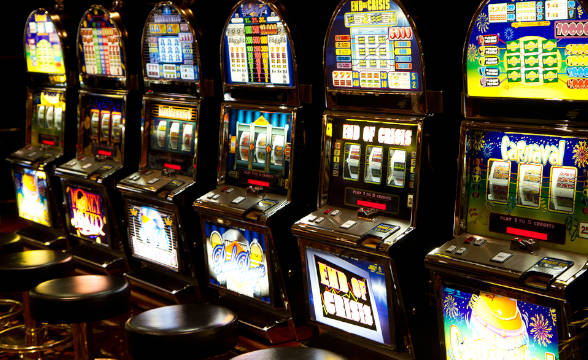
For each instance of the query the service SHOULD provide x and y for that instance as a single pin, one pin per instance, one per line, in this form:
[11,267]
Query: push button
[335,212]
[135,177]
[347,224]
[327,211]
[211,196]
[460,251]
[153,181]
[451,249]
[479,242]
[501,257]
[319,220]
[238,199]
[86,165]
[311,218]
[468,240]
[215,196]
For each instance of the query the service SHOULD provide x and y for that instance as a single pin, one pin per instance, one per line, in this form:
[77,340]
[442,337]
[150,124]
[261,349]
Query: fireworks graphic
[473,300]
[508,33]
[580,10]
[541,330]
[553,315]
[472,52]
[487,150]
[450,306]
[581,154]
[482,23]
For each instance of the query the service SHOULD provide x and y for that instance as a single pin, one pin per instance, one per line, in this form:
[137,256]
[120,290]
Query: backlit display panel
[43,50]
[487,326]
[86,215]
[372,45]
[348,294]
[31,195]
[373,164]
[153,235]
[237,260]
[169,51]
[259,147]
[100,44]
[48,118]
[172,137]
[530,185]
[528,49]
[257,47]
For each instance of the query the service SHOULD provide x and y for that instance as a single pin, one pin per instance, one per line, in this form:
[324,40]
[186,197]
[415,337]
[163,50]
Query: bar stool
[20,272]
[79,300]
[192,331]
[9,308]
[290,353]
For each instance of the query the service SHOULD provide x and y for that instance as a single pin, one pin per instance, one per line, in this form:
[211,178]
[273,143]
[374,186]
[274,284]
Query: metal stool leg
[82,341]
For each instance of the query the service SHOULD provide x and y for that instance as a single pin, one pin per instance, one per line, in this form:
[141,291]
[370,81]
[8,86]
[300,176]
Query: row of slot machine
[194,199]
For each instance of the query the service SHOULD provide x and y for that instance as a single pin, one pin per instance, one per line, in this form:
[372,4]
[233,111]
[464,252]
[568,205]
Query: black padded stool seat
[77,299]
[290,353]
[10,242]
[181,331]
[20,271]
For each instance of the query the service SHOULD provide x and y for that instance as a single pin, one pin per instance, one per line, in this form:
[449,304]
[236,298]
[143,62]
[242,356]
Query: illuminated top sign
[528,49]
[172,112]
[169,47]
[100,44]
[43,49]
[385,135]
[257,47]
[371,45]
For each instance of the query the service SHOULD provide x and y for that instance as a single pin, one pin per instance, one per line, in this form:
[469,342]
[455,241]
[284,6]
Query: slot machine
[158,196]
[511,283]
[247,250]
[50,126]
[358,248]
[107,131]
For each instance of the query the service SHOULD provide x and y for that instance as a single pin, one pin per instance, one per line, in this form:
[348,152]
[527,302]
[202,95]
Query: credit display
[348,294]
[487,326]
[529,49]
[86,215]
[373,46]
[259,147]
[31,195]
[373,164]
[172,138]
[257,47]
[169,51]
[525,184]
[153,235]
[100,44]
[237,260]
[48,117]
[42,45]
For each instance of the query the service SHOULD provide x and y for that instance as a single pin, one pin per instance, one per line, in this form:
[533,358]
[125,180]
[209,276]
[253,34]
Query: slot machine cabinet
[106,142]
[159,195]
[511,283]
[358,249]
[50,126]
[247,251]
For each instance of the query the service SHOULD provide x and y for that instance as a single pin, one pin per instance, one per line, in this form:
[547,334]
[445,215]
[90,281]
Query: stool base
[11,309]
[18,340]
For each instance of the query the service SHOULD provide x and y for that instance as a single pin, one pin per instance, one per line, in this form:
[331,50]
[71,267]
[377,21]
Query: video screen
[348,294]
[528,49]
[48,118]
[237,260]
[527,185]
[102,124]
[153,235]
[259,147]
[372,46]
[373,164]
[170,51]
[86,215]
[172,138]
[31,195]
[42,45]
[488,326]
[101,44]
[257,48]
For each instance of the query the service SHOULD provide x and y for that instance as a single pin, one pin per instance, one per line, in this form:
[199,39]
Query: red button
[468,240]
[328,210]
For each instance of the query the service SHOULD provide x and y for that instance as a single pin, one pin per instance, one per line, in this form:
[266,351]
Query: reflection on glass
[396,168]
[373,165]
[352,157]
